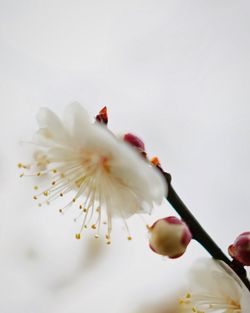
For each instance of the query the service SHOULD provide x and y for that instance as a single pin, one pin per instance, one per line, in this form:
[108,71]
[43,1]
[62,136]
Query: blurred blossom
[107,176]
[214,287]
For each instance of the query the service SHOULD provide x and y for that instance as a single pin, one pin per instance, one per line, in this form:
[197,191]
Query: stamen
[86,174]
[78,236]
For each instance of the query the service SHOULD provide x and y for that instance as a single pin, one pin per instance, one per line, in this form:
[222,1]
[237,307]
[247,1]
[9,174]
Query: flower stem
[200,235]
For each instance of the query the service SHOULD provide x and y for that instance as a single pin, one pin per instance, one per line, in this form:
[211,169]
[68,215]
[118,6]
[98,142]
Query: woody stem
[200,235]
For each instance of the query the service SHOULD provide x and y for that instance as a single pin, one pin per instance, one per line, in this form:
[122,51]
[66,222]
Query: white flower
[215,288]
[106,176]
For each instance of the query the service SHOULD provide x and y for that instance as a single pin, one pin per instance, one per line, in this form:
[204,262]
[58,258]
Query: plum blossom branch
[200,235]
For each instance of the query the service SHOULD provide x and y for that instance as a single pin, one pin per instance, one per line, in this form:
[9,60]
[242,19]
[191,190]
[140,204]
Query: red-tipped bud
[240,249]
[169,236]
[102,117]
[134,141]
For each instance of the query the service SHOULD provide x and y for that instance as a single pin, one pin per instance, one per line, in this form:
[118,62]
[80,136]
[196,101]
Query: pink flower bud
[134,141]
[240,249]
[169,236]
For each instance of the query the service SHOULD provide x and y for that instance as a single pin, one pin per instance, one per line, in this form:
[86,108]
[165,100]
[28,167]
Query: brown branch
[200,235]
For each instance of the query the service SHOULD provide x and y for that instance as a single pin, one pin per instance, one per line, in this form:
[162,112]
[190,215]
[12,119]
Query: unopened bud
[240,249]
[102,116]
[169,236]
[135,141]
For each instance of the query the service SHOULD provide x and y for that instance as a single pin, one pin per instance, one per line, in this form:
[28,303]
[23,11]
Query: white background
[177,74]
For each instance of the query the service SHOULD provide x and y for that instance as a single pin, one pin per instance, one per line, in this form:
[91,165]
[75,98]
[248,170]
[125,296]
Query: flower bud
[102,116]
[240,249]
[134,141]
[169,236]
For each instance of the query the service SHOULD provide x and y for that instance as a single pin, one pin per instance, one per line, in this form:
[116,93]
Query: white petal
[214,283]
[77,122]
[211,275]
[51,128]
[128,167]
[245,301]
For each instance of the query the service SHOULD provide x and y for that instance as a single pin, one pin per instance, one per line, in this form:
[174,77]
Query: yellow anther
[62,175]
[85,210]
[54,171]
[35,187]
[93,226]
[188,295]
[80,206]
[78,236]
[107,237]
[74,200]
[129,238]
[21,175]
[46,193]
[35,197]
[38,174]
[108,242]
[20,165]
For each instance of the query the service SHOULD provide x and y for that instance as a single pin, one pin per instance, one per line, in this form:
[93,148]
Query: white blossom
[93,169]
[214,287]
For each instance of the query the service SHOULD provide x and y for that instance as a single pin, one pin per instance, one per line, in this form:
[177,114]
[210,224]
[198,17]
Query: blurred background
[174,72]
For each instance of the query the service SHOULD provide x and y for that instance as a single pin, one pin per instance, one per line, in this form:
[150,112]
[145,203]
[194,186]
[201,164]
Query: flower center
[105,164]
[86,173]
